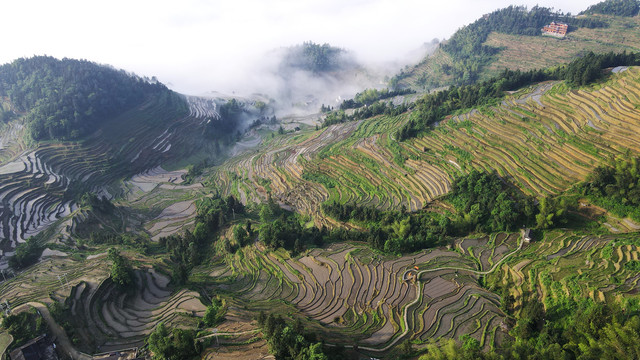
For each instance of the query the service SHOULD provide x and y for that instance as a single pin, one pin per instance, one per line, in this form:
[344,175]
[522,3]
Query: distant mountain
[316,58]
[303,77]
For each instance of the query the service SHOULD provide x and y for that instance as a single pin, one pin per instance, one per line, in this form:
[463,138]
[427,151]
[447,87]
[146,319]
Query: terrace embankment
[542,138]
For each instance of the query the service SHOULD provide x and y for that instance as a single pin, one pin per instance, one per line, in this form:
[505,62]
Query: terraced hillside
[566,265]
[542,138]
[352,292]
[106,318]
[40,186]
[103,317]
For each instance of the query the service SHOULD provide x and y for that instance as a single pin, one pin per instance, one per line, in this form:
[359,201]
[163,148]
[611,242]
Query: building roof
[39,348]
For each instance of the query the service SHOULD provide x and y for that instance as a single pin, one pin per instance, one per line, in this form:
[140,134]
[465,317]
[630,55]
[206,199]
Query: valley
[492,214]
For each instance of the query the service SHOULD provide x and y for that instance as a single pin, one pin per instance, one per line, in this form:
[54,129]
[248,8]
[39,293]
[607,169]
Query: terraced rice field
[107,319]
[565,265]
[361,296]
[538,139]
[37,187]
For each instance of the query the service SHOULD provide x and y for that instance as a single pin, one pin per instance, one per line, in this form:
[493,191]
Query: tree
[26,254]
[312,352]
[176,344]
[121,270]
[214,313]
[552,212]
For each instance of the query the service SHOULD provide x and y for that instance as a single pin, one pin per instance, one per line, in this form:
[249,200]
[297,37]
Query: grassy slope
[5,340]
[524,52]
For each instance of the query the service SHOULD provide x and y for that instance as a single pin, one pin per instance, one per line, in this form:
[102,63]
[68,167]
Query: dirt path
[58,332]
[229,334]
[5,341]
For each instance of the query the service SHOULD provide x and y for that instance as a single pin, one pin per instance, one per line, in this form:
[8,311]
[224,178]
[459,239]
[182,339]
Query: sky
[195,46]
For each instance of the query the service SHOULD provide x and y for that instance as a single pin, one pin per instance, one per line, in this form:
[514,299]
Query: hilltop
[511,38]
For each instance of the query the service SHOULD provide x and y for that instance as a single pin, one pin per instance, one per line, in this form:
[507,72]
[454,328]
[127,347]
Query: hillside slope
[41,182]
[522,49]
[543,138]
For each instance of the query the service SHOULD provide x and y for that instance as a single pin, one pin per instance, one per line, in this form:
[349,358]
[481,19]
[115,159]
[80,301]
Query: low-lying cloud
[197,46]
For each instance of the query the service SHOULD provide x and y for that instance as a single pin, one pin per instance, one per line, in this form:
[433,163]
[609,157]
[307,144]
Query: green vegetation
[121,270]
[27,254]
[615,7]
[189,249]
[67,99]
[193,171]
[486,204]
[95,203]
[62,315]
[393,231]
[215,312]
[616,188]
[227,126]
[24,327]
[173,344]
[583,330]
[288,342]
[369,96]
[433,107]
[376,108]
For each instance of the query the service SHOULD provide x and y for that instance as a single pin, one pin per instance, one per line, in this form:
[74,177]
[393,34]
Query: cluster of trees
[24,326]
[282,229]
[224,127]
[121,269]
[369,96]
[215,312]
[617,187]
[95,203]
[61,314]
[434,107]
[393,231]
[485,203]
[26,254]
[173,344]
[193,171]
[366,112]
[572,330]
[588,68]
[314,57]
[615,7]
[66,99]
[109,237]
[189,249]
[290,341]
[467,47]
